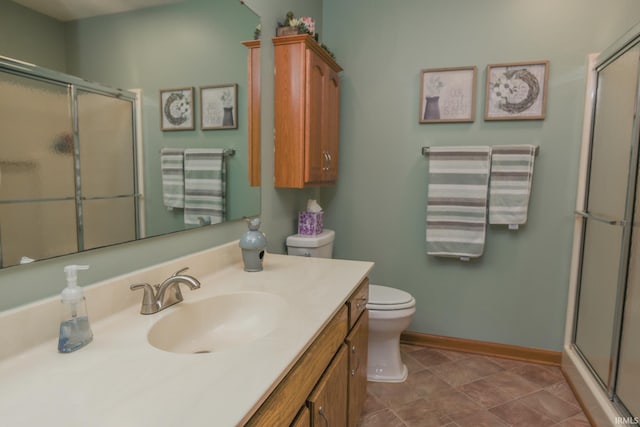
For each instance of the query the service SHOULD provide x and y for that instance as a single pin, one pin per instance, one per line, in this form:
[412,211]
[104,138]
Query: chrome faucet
[157,298]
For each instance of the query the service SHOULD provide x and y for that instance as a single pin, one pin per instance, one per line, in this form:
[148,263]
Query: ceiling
[70,10]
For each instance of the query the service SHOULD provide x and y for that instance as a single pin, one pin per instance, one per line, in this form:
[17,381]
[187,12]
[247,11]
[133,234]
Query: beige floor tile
[546,403]
[518,414]
[465,370]
[383,418]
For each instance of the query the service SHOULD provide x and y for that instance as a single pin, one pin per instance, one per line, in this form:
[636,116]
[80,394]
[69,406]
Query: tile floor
[451,389]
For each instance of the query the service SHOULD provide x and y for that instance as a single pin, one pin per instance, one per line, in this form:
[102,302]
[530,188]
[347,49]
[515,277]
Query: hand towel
[457,200]
[172,170]
[204,186]
[510,184]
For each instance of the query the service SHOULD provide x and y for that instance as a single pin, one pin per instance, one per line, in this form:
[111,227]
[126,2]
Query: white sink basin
[218,323]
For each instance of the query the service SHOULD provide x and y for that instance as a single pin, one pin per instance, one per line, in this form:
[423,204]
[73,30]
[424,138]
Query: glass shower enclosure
[606,320]
[67,164]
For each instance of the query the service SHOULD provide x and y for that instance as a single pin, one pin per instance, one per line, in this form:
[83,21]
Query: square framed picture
[176,109]
[516,91]
[219,107]
[448,95]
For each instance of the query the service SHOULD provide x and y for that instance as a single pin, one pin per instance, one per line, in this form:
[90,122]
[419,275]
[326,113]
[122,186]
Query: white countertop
[121,380]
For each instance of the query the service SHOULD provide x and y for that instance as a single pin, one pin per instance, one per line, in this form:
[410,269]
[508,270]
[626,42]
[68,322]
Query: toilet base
[375,378]
[384,359]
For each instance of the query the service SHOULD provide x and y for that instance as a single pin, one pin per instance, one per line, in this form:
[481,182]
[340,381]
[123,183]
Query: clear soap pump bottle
[75,331]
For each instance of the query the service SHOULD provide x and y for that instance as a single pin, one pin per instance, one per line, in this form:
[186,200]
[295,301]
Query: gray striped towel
[172,170]
[510,187]
[457,200]
[204,186]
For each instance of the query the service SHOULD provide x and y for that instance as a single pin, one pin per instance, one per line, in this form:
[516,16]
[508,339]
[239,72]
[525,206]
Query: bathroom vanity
[298,365]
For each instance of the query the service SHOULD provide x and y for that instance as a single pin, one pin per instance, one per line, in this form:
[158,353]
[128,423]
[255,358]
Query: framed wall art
[176,109]
[219,107]
[448,95]
[516,91]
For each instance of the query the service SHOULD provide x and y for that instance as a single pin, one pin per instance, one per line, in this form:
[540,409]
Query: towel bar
[425,150]
[229,152]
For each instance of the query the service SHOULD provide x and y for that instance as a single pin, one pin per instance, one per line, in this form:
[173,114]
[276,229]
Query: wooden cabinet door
[328,401]
[315,129]
[303,419]
[253,110]
[358,347]
[332,128]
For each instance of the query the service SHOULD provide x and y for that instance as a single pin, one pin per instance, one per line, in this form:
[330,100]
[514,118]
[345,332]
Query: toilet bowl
[390,313]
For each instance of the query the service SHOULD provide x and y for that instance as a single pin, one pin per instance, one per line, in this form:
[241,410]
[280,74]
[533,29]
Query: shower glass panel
[628,386]
[105,132]
[106,144]
[604,249]
[108,221]
[37,230]
[37,188]
[36,161]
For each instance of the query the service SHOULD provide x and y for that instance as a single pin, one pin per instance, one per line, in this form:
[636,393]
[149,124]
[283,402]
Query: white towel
[457,201]
[510,187]
[204,186]
[172,169]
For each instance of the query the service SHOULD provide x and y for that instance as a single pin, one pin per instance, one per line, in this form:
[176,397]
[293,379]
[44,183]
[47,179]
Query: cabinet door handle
[324,417]
[361,303]
[326,161]
[354,350]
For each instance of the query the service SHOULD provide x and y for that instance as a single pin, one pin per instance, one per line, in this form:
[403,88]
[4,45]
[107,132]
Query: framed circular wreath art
[176,109]
[516,91]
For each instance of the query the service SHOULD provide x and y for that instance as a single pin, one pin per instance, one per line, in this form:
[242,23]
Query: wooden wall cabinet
[328,384]
[307,98]
[253,111]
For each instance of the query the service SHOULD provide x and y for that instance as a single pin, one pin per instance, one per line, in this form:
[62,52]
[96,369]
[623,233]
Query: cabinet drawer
[357,303]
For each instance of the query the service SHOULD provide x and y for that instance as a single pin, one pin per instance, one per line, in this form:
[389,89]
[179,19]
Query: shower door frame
[73,84]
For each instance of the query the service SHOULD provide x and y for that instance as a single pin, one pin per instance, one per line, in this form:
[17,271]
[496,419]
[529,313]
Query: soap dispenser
[252,244]
[75,331]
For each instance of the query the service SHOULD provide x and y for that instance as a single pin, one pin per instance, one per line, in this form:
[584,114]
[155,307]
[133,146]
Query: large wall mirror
[160,46]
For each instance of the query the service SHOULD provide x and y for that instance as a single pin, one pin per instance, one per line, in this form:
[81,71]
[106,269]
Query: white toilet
[390,312]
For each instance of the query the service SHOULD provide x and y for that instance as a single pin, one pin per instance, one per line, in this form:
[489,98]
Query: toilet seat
[384,298]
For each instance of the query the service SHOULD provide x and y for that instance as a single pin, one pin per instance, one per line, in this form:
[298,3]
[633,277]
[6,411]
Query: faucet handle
[149,300]
[182,270]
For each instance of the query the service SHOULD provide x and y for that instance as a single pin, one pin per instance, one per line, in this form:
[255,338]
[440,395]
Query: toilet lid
[386,298]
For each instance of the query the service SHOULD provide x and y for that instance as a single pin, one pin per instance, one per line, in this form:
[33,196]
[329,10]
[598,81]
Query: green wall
[516,293]
[44,44]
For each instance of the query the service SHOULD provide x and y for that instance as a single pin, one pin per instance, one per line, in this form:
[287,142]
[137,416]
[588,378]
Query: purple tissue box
[309,223]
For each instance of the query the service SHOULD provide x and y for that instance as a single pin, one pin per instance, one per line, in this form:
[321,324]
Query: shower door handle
[609,221]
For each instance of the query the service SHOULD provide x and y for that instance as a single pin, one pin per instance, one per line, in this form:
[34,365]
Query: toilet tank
[319,245]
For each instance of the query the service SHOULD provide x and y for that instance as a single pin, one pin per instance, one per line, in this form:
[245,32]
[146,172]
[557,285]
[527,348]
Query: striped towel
[457,201]
[204,186]
[172,169]
[511,173]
